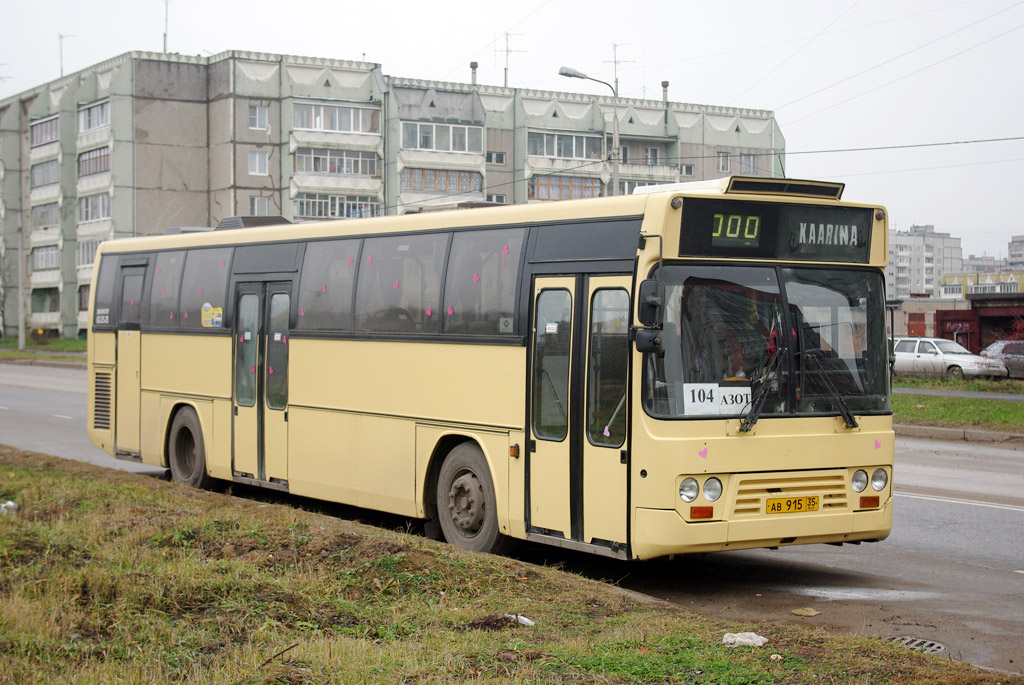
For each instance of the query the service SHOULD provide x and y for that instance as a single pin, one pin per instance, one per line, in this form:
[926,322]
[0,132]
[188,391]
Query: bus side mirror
[650,340]
[652,303]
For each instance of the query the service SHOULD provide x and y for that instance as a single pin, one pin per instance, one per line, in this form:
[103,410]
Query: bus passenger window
[399,288]
[163,297]
[204,288]
[325,289]
[551,364]
[606,367]
[277,352]
[480,284]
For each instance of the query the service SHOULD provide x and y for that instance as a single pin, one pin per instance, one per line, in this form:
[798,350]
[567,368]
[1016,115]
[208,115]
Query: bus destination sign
[767,230]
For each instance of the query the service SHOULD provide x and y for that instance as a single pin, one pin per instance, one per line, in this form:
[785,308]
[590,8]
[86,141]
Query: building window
[563,188]
[93,207]
[44,132]
[336,118]
[442,137]
[723,161]
[258,163]
[563,145]
[651,154]
[627,187]
[1009,287]
[500,199]
[686,170]
[94,116]
[83,298]
[45,258]
[85,253]
[45,300]
[258,117]
[320,206]
[495,157]
[442,180]
[748,164]
[45,173]
[94,162]
[45,215]
[324,161]
[624,155]
[257,205]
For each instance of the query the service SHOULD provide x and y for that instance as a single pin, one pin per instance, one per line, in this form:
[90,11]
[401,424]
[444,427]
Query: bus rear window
[204,289]
[104,292]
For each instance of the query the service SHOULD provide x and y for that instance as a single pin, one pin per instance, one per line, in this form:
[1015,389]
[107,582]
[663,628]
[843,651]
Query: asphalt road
[952,571]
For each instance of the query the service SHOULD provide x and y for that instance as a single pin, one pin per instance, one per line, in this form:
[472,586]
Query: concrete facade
[918,259]
[146,141]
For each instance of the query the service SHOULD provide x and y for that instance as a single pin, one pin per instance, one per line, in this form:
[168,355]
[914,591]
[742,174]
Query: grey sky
[839,75]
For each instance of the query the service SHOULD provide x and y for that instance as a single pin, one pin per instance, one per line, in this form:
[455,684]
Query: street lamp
[574,73]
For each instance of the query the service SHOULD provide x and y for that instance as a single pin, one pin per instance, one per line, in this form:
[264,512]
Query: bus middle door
[261,381]
[129,362]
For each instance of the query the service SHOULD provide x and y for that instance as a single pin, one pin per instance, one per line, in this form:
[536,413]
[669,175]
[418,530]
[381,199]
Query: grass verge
[954,412]
[112,577]
[1008,385]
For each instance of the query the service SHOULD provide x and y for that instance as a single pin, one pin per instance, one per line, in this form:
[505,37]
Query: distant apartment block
[918,259]
[145,141]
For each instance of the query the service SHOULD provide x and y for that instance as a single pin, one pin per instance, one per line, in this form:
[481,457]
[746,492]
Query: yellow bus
[691,368]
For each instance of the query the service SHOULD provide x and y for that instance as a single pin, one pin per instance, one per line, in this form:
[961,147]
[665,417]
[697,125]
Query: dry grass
[111,577]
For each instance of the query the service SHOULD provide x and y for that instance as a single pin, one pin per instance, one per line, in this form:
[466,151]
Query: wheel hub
[466,503]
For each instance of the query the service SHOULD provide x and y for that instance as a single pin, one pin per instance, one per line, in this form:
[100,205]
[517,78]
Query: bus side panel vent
[101,402]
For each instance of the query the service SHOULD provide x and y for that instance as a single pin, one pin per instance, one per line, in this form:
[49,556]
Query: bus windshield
[805,341]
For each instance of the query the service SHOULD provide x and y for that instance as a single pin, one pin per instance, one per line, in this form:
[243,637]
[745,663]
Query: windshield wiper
[844,409]
[763,388]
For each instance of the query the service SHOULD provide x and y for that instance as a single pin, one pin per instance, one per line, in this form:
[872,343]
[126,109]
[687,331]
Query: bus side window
[163,296]
[399,288]
[480,285]
[204,289]
[325,287]
[101,315]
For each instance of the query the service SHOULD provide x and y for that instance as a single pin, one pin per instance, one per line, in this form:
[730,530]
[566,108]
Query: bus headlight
[688,490]
[859,480]
[712,489]
[879,479]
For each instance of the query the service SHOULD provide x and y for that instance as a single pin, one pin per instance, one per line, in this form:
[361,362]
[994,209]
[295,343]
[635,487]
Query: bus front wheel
[465,501]
[186,450]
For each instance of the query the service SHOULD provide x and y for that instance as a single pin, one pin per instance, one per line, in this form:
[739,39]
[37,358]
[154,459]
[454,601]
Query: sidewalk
[1014,441]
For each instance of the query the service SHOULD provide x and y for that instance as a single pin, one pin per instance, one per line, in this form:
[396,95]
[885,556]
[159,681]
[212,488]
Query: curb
[1011,440]
[45,362]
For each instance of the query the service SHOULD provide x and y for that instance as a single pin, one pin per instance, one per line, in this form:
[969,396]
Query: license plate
[791,505]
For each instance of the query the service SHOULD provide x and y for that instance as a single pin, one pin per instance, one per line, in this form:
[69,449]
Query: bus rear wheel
[465,501]
[186,450]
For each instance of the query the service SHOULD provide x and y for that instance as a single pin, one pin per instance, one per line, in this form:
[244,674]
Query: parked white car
[941,357]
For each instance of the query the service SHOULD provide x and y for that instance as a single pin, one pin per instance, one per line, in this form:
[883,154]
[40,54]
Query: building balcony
[95,183]
[649,173]
[102,229]
[47,278]
[335,184]
[94,138]
[42,237]
[44,194]
[42,153]
[44,320]
[371,142]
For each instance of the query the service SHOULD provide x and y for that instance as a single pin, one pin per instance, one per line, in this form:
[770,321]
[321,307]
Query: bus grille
[753,490]
[101,402]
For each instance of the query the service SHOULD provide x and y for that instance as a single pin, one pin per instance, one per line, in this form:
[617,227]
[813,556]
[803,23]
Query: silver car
[1010,353]
[941,357]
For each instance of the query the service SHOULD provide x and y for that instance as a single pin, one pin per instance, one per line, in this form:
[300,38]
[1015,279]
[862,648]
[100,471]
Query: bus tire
[465,501]
[186,450]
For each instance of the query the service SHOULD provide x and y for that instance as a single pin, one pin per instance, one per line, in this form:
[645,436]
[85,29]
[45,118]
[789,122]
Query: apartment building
[144,142]
[918,259]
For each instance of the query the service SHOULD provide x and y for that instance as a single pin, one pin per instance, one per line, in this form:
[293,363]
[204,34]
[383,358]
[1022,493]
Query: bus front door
[578,410]
[261,381]
[129,361]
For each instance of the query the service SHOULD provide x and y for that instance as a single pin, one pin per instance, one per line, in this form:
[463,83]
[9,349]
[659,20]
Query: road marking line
[61,416]
[974,503]
[1020,572]
[4,407]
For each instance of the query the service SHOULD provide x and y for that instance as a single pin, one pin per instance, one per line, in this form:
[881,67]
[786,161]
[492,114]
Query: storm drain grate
[919,644]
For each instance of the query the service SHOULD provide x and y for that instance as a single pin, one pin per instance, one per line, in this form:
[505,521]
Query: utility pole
[507,51]
[166,3]
[60,43]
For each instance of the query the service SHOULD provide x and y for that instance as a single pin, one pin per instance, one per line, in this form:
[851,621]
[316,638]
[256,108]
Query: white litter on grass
[744,640]
[521,619]
[9,507]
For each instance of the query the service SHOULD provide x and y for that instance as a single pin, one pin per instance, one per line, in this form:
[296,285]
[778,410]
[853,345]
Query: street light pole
[575,73]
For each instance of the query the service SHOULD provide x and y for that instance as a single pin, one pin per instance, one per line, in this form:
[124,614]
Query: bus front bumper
[661,532]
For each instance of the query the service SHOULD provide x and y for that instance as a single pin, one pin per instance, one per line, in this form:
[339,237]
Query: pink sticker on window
[476,278]
[158,271]
[450,312]
[302,311]
[284,339]
[396,285]
[241,338]
[350,260]
[163,291]
[185,314]
[223,263]
[270,370]
[323,290]
[172,315]
[369,260]
[607,433]
[429,309]
[253,369]
[200,291]
[504,250]
[132,303]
